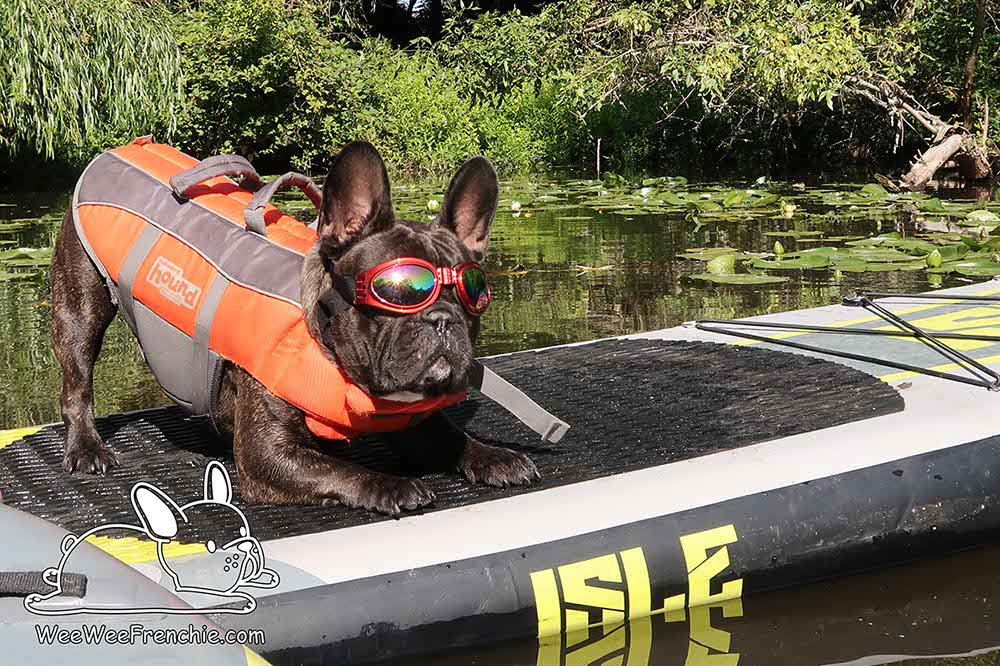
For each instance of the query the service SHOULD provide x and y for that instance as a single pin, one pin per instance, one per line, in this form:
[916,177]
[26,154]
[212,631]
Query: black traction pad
[632,404]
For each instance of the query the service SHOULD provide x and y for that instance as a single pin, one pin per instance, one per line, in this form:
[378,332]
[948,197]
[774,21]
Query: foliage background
[695,87]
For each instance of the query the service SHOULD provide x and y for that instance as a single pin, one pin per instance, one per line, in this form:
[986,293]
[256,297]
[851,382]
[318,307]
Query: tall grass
[75,73]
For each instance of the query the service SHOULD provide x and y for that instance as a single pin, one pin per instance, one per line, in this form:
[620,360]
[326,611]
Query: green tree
[79,75]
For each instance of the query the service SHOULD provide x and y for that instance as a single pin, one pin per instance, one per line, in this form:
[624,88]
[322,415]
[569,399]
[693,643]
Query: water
[576,260]
[924,613]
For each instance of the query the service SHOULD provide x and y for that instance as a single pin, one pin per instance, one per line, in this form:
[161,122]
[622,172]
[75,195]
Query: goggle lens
[404,285]
[476,289]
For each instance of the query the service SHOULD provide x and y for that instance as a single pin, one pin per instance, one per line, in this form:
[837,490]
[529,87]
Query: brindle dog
[425,354]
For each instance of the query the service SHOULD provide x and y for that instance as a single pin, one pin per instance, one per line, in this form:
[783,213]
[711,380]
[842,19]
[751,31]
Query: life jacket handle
[212,167]
[254,213]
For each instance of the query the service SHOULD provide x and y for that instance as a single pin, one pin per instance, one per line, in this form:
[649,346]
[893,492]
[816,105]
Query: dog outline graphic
[162,520]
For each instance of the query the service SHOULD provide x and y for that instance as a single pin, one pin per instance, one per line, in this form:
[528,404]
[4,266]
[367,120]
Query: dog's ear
[217,485]
[356,197]
[469,204]
[159,514]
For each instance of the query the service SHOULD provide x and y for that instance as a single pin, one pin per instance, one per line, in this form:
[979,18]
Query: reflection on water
[928,613]
[561,272]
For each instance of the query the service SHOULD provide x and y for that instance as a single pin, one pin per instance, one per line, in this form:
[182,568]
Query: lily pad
[734,198]
[707,253]
[977,268]
[825,250]
[982,217]
[971,243]
[703,206]
[10,277]
[850,265]
[26,256]
[880,254]
[672,199]
[952,252]
[934,205]
[877,267]
[793,234]
[921,247]
[739,278]
[800,260]
[874,191]
[764,200]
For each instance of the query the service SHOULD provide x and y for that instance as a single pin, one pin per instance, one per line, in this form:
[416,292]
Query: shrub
[263,81]
[411,110]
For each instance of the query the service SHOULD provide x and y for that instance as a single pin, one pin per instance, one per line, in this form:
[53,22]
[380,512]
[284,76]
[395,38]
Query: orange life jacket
[196,286]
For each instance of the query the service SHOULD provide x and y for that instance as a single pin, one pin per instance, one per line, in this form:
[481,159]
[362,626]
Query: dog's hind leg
[81,312]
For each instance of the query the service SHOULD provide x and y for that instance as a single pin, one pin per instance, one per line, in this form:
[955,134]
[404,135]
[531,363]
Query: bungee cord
[981,375]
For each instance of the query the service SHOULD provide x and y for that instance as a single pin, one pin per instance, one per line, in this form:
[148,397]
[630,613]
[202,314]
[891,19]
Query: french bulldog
[391,356]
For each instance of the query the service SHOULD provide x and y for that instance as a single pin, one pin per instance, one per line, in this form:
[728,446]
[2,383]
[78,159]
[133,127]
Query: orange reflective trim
[111,232]
[172,282]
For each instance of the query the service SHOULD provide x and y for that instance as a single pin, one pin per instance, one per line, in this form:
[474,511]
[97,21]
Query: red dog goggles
[408,285]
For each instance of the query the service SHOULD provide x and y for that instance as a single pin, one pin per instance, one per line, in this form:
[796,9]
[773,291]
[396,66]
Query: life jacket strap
[515,401]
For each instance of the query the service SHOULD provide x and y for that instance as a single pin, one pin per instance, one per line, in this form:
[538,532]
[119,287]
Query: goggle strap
[333,301]
[339,297]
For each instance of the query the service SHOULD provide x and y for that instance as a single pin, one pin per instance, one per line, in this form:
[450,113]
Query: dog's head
[402,357]
[234,558]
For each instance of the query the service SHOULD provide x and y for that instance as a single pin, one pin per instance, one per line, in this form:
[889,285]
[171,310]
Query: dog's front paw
[89,457]
[496,466]
[391,494]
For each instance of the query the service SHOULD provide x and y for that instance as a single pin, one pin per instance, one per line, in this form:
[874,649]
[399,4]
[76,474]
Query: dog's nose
[440,319]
